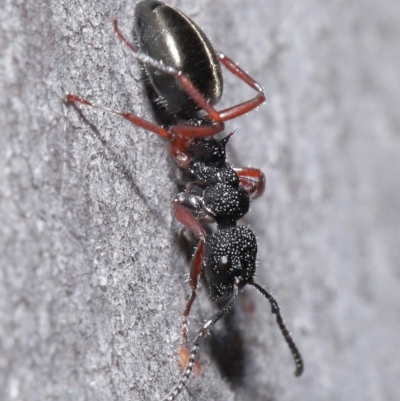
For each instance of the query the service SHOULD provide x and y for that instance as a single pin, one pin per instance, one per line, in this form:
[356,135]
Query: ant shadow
[121,165]
[227,350]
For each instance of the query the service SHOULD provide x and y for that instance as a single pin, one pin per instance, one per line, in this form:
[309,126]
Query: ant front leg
[202,333]
[252,180]
[187,218]
[189,221]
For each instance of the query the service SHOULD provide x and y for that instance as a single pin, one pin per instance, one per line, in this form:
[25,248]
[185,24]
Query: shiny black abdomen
[167,35]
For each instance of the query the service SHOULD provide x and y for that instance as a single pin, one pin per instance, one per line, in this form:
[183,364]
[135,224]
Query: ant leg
[249,105]
[187,218]
[184,216]
[180,129]
[207,326]
[253,181]
[195,271]
[298,360]
[177,148]
[140,122]
[122,38]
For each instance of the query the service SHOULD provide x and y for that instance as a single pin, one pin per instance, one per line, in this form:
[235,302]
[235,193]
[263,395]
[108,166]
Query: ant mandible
[185,72]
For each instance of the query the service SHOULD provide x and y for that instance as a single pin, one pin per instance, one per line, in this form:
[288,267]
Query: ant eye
[224,263]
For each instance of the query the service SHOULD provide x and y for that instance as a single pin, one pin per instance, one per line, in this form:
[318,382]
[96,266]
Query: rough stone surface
[92,281]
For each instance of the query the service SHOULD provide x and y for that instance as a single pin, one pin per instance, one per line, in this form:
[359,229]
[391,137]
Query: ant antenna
[298,360]
[208,325]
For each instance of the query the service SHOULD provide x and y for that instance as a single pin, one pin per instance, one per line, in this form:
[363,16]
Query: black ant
[185,72]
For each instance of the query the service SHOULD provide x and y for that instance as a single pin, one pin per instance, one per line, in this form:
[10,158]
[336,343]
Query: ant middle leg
[253,181]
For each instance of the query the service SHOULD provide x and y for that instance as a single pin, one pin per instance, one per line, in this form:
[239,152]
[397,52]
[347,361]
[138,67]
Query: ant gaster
[185,72]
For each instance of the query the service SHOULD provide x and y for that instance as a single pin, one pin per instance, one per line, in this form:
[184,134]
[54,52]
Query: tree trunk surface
[93,279]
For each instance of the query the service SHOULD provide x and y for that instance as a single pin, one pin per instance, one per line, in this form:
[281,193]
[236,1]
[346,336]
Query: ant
[185,73]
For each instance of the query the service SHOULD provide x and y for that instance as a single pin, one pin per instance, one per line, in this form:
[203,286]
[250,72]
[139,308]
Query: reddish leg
[223,115]
[140,122]
[189,220]
[186,131]
[195,271]
[184,216]
[253,181]
[244,107]
[178,144]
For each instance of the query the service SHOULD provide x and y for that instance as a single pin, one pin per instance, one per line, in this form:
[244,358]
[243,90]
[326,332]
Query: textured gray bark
[92,282]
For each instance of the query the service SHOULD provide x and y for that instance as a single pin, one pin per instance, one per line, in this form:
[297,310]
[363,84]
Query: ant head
[229,257]
[211,152]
